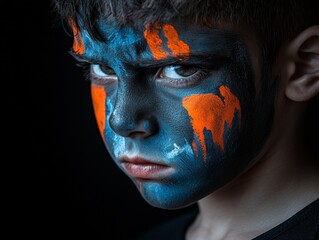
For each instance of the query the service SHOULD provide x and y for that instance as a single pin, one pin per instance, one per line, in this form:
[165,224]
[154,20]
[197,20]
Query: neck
[283,180]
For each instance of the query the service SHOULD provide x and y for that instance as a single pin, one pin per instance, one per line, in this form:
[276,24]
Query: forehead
[158,41]
[130,35]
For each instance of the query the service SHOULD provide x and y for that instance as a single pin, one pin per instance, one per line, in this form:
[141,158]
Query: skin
[204,151]
[211,130]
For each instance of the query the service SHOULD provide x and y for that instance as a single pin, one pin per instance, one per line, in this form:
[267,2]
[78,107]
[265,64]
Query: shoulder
[304,225]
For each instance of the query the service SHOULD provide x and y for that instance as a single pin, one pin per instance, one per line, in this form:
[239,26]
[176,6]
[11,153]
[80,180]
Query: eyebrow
[83,58]
[197,58]
[192,58]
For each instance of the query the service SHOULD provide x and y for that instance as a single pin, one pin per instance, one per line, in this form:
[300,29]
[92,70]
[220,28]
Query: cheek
[99,104]
[208,112]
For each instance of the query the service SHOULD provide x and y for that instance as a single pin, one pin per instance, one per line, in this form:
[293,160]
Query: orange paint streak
[99,100]
[177,46]
[231,105]
[154,41]
[210,112]
[78,45]
[194,146]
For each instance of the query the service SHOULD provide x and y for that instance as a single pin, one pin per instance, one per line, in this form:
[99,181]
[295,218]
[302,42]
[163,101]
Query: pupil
[106,69]
[185,71]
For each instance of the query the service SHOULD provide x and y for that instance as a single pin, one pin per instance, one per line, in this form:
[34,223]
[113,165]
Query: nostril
[138,134]
[144,128]
[133,126]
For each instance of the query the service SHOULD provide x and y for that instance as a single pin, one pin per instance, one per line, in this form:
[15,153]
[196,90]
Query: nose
[132,126]
[133,117]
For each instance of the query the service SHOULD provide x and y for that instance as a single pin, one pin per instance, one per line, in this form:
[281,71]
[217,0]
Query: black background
[62,182]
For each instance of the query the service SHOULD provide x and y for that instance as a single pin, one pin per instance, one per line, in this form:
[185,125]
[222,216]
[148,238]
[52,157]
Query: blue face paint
[148,131]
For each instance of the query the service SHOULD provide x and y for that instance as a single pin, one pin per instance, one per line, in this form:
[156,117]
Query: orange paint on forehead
[177,46]
[99,104]
[155,43]
[210,112]
[78,45]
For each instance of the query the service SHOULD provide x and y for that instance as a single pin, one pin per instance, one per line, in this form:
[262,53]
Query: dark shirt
[304,225]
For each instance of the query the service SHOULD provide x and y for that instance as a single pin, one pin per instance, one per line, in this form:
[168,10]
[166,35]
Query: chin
[169,196]
[168,204]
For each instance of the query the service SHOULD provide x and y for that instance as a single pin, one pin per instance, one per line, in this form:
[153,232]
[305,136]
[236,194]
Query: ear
[302,71]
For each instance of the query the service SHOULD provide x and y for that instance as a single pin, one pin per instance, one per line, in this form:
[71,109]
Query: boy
[204,102]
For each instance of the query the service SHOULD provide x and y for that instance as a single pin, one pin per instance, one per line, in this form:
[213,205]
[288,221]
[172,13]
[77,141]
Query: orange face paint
[99,99]
[210,112]
[78,45]
[177,46]
[155,43]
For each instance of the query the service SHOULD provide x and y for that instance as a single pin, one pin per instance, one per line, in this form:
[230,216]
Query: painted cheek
[78,45]
[155,43]
[98,95]
[209,112]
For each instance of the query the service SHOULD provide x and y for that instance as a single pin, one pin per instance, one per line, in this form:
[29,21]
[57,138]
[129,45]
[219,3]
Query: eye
[179,76]
[102,70]
[178,71]
[102,74]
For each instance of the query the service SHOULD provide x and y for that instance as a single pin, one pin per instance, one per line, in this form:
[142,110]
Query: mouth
[141,168]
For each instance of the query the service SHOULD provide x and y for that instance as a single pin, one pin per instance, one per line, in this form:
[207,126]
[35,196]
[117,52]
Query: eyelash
[88,76]
[176,82]
[86,70]
[182,82]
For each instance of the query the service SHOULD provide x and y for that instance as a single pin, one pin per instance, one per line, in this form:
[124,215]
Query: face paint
[154,41]
[98,95]
[178,150]
[209,112]
[78,45]
[178,47]
[202,131]
[118,145]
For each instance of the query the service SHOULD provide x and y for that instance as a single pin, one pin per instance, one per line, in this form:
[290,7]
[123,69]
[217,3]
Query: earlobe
[303,66]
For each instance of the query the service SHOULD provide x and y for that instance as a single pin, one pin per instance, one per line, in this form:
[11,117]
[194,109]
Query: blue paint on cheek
[109,134]
[231,134]
[115,143]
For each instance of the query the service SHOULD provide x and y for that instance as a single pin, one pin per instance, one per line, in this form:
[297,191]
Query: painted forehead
[159,41]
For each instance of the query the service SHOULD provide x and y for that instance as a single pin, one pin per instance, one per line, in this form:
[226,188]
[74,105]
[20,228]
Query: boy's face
[176,106]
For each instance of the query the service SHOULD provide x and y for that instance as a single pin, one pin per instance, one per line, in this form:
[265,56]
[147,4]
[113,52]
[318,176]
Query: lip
[141,168]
